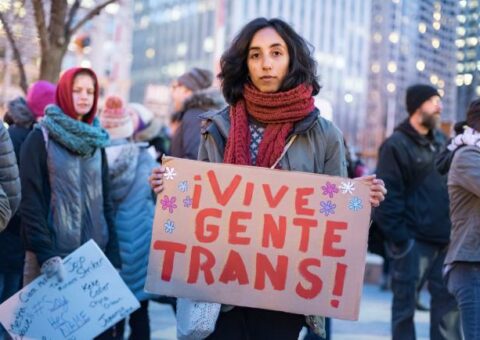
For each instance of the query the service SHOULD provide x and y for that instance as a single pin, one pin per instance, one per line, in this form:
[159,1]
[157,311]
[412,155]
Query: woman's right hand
[156,179]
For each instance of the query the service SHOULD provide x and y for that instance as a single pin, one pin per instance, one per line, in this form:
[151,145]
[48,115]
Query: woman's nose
[267,64]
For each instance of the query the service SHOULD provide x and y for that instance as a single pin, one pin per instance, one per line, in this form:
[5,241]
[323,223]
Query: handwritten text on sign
[91,299]
[263,238]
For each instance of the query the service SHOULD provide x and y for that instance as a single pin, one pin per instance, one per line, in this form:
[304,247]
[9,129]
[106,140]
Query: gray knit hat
[20,113]
[196,79]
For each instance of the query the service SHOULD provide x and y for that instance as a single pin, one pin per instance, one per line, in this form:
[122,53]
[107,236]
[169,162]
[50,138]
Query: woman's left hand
[377,189]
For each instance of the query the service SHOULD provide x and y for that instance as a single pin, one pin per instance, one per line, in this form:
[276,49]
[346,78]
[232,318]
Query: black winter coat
[417,204]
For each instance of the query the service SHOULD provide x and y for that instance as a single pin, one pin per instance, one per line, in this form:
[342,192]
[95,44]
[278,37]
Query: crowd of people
[70,172]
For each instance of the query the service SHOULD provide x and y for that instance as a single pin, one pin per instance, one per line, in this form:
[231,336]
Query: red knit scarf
[278,110]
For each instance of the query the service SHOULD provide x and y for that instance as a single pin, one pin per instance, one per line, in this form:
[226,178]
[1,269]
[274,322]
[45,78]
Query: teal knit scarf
[77,136]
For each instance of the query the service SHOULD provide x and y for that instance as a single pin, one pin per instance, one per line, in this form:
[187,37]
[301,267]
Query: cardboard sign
[256,237]
[90,299]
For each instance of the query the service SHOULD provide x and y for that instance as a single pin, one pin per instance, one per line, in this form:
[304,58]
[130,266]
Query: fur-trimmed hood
[205,100]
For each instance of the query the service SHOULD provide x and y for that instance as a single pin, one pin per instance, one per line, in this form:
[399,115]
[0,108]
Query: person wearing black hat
[192,95]
[415,216]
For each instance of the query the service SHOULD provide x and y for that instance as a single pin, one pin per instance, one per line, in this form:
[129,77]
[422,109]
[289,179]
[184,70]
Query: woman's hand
[156,179]
[377,189]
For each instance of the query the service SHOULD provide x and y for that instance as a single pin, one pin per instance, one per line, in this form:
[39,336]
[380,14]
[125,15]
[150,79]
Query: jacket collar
[434,137]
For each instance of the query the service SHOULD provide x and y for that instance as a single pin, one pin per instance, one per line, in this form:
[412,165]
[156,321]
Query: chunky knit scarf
[279,111]
[77,136]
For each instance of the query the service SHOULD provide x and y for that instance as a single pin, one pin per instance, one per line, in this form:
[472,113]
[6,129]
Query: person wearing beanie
[414,217]
[115,119]
[192,95]
[129,164]
[462,262]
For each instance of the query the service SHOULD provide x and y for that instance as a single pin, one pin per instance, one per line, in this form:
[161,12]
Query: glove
[54,267]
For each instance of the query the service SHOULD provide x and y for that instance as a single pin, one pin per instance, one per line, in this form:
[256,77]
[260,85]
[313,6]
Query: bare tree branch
[95,11]
[71,15]
[16,54]
[56,28]
[40,23]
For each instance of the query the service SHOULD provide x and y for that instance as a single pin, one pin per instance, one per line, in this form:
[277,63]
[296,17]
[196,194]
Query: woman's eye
[254,55]
[277,53]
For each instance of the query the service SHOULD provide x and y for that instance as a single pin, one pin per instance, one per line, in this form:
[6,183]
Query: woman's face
[267,60]
[83,94]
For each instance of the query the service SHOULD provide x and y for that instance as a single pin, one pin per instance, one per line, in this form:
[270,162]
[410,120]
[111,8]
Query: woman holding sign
[64,177]
[269,79]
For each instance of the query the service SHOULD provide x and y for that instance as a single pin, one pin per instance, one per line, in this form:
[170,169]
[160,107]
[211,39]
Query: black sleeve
[35,202]
[390,215]
[443,160]
[191,135]
[112,251]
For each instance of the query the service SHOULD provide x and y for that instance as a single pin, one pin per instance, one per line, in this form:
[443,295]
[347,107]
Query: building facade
[411,42]
[171,36]
[105,45]
[468,55]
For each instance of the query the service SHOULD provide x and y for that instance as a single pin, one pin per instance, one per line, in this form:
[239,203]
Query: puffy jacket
[10,193]
[12,251]
[39,228]
[134,211]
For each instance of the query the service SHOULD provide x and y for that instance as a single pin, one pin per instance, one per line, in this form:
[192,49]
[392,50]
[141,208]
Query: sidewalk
[374,320]
[373,323]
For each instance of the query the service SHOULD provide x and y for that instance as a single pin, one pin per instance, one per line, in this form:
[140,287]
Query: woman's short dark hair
[302,67]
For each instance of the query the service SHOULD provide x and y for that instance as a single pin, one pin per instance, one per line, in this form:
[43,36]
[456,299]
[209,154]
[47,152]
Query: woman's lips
[267,78]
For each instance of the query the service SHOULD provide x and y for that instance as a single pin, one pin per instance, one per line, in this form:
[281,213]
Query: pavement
[373,323]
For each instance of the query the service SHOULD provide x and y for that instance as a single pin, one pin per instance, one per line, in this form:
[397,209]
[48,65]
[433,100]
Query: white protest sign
[90,299]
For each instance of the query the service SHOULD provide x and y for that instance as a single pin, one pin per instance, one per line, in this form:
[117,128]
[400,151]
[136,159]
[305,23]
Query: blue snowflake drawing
[187,202]
[327,207]
[168,203]
[169,226]
[183,186]
[329,189]
[355,204]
